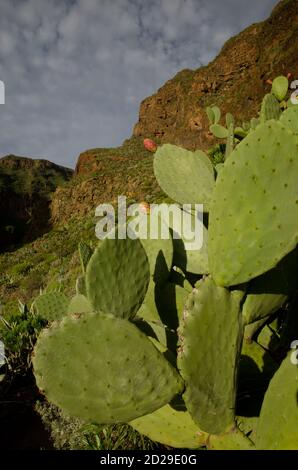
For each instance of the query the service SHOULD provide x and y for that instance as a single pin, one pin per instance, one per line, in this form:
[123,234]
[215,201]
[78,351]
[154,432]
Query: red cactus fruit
[150,145]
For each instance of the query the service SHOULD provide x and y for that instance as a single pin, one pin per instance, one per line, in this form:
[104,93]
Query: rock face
[103,174]
[235,80]
[26,186]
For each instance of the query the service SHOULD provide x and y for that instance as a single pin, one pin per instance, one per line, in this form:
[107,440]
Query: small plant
[217,154]
[19,332]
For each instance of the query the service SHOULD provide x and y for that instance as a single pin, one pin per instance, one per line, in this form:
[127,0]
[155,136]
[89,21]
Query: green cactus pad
[268,339]
[171,427]
[233,440]
[251,329]
[51,306]
[117,277]
[183,175]
[262,172]
[217,114]
[256,367]
[219,131]
[254,122]
[277,429]
[79,304]
[103,369]
[280,87]
[268,292]
[289,119]
[210,343]
[270,108]
[230,120]
[205,159]
[210,114]
[85,253]
[240,132]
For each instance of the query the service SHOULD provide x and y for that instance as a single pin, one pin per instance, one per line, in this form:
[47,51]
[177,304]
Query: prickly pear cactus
[79,304]
[232,440]
[172,427]
[183,175]
[280,87]
[117,277]
[268,292]
[51,306]
[262,172]
[289,118]
[210,344]
[277,428]
[185,345]
[103,369]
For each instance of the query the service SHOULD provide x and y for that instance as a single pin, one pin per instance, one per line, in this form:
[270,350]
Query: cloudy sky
[75,71]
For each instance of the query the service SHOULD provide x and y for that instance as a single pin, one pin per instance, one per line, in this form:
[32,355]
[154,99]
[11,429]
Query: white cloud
[76,71]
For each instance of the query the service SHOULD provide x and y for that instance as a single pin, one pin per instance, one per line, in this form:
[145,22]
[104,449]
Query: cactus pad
[117,277]
[171,427]
[268,292]
[183,175]
[232,440]
[270,108]
[264,159]
[80,366]
[210,342]
[280,87]
[51,306]
[277,429]
[219,131]
[79,304]
[289,118]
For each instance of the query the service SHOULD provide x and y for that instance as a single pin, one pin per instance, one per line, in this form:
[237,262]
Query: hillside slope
[26,186]
[235,80]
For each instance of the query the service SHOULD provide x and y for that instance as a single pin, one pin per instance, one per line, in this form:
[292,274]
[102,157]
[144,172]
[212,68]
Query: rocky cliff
[235,80]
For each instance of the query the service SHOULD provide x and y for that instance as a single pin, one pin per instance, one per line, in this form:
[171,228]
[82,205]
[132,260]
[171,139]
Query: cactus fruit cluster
[193,347]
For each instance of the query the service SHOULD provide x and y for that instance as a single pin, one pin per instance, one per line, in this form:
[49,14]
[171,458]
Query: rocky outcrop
[103,174]
[235,80]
